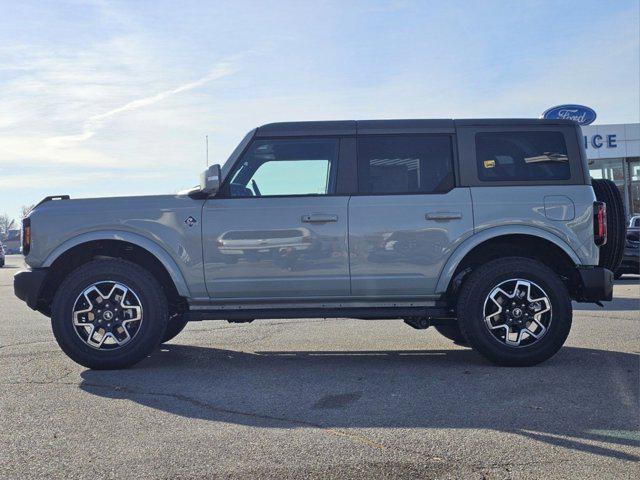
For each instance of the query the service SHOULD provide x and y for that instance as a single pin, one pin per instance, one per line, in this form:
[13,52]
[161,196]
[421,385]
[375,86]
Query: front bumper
[27,285]
[596,284]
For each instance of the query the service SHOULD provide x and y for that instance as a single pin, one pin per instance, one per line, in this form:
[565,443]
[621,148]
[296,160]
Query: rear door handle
[319,218]
[443,216]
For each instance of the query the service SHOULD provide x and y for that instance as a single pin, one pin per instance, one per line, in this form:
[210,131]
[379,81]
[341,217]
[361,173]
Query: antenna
[206,139]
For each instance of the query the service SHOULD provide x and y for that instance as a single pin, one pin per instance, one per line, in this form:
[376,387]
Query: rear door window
[522,156]
[404,164]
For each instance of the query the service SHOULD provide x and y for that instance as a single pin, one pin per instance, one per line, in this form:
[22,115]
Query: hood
[63,204]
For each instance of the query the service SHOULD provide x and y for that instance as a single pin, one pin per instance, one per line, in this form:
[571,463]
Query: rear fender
[470,243]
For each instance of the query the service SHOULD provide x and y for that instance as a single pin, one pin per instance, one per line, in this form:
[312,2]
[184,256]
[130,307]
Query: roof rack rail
[52,197]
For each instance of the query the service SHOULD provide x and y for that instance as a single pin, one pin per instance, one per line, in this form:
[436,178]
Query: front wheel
[515,311]
[109,314]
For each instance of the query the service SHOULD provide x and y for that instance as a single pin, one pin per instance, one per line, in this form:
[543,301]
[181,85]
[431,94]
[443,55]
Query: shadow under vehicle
[454,389]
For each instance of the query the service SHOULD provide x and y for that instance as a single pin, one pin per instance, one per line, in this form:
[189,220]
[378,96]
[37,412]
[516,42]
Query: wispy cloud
[93,123]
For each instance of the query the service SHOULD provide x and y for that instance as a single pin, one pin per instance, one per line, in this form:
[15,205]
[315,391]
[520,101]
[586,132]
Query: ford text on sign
[578,113]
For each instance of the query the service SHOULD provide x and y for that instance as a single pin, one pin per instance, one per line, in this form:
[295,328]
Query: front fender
[158,251]
[469,244]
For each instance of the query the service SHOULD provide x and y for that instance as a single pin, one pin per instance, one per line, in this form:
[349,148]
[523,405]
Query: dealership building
[614,153]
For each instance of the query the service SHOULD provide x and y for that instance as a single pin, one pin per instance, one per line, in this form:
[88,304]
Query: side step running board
[345,312]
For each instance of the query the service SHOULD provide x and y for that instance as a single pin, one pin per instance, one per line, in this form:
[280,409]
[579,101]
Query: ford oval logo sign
[578,113]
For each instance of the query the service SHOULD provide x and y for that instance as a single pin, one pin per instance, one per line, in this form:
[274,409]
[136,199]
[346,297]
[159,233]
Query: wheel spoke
[120,330]
[538,323]
[511,335]
[102,337]
[532,333]
[77,313]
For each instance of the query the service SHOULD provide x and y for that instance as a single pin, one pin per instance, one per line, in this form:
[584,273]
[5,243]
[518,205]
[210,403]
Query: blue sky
[114,98]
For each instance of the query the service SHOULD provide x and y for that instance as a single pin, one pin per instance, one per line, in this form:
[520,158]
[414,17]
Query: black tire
[147,337]
[174,327]
[611,252]
[452,332]
[481,282]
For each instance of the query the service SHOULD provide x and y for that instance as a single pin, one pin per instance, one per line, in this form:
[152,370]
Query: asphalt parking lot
[321,399]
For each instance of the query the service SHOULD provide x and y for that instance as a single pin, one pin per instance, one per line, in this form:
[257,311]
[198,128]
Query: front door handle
[443,216]
[319,218]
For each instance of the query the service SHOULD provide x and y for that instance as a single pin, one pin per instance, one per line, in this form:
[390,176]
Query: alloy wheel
[517,312]
[107,315]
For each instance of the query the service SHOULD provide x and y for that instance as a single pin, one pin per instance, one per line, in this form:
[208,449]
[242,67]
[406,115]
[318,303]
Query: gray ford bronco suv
[484,229]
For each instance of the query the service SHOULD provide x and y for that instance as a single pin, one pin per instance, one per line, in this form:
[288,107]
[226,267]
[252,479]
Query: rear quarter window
[522,156]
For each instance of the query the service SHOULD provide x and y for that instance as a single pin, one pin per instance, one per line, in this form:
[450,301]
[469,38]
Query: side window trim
[454,170]
[468,173]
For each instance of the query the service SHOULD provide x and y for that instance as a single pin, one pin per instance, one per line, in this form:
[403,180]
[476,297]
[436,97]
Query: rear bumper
[27,285]
[596,284]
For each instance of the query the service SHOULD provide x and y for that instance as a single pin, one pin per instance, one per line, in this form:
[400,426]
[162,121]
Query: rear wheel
[514,311]
[109,314]
[611,252]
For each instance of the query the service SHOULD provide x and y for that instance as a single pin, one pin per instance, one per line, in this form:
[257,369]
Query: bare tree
[5,223]
[25,209]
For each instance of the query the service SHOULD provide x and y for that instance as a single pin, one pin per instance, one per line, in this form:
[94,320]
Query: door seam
[473,211]
[349,242]
[202,246]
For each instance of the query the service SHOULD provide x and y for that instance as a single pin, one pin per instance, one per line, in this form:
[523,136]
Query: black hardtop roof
[351,127]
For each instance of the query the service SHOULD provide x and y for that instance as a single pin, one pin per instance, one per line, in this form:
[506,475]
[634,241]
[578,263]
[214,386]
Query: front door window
[284,168]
